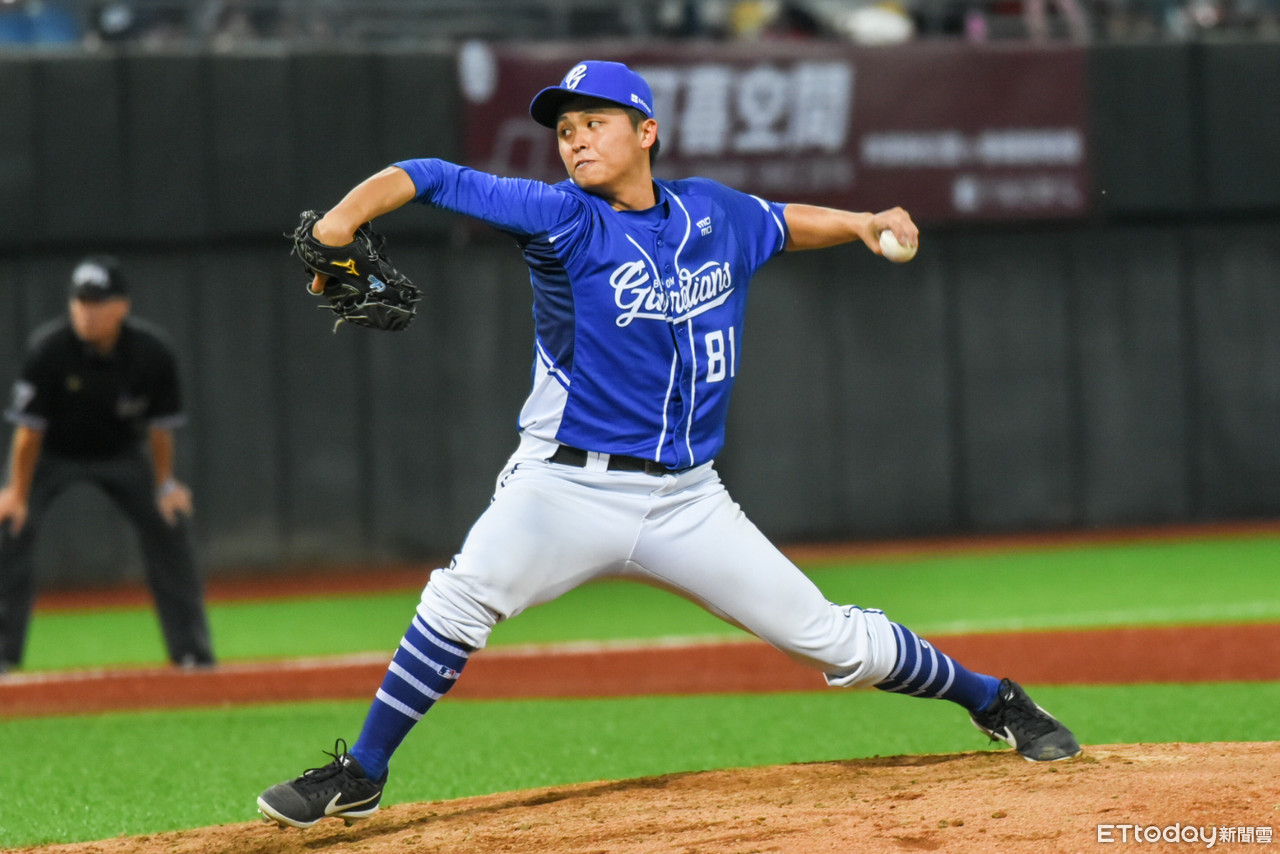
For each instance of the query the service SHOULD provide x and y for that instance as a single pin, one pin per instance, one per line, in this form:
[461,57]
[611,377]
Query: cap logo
[91,275]
[574,77]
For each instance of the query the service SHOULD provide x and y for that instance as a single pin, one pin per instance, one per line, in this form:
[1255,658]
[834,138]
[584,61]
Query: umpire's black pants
[166,549]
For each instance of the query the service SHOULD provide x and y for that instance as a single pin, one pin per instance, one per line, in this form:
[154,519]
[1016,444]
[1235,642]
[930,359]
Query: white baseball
[893,250]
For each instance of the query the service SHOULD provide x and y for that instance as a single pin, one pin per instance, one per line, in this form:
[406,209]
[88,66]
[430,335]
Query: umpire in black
[97,401]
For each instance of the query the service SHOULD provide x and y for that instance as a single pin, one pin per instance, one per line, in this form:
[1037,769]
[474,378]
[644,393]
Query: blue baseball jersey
[638,315]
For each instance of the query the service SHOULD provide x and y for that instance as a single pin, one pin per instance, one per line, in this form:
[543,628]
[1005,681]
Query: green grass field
[93,777]
[1142,583]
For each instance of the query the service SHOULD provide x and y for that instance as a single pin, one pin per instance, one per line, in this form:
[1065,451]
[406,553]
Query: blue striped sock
[422,671]
[923,671]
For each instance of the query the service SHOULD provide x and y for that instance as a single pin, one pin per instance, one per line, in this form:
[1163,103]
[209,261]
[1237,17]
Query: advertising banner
[952,132]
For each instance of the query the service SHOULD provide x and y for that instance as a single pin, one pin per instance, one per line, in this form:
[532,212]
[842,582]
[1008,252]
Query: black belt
[567,455]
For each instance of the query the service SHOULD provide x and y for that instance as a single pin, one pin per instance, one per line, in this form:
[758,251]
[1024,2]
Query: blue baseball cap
[611,81]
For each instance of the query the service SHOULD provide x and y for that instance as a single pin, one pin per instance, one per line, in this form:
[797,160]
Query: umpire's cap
[611,81]
[97,277]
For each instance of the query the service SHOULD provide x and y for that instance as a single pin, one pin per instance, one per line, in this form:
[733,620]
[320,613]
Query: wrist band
[168,487]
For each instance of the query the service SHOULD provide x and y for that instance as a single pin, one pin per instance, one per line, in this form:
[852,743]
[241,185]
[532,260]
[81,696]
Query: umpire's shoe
[340,789]
[1029,729]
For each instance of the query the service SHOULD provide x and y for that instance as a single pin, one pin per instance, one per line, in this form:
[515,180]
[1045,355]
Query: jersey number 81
[721,361]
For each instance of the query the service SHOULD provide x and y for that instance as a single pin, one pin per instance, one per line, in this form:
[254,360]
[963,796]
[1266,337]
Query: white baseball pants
[552,527]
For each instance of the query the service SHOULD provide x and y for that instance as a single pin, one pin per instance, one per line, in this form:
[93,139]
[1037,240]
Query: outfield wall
[1114,367]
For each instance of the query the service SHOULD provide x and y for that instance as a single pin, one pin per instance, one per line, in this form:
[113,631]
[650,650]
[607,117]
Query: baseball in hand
[893,250]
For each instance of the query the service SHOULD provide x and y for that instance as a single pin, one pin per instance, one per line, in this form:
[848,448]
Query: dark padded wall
[1146,128]
[238,449]
[165,163]
[1116,370]
[840,418]
[1016,418]
[251,146]
[1241,125]
[18,175]
[79,145]
[1233,283]
[1133,352]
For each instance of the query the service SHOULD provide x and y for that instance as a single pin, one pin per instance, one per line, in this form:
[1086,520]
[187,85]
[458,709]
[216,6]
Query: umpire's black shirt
[90,406]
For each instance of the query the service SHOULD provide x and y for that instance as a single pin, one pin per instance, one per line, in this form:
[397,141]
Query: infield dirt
[967,802]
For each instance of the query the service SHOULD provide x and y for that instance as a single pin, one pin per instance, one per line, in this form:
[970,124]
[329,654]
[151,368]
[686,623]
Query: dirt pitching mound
[1180,797]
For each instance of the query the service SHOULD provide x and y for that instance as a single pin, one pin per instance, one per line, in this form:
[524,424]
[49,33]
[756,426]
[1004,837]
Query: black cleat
[340,789]
[1014,717]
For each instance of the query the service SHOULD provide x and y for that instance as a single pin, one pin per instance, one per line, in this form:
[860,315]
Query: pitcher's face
[602,150]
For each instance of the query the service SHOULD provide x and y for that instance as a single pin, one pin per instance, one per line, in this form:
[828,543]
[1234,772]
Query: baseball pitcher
[640,290]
